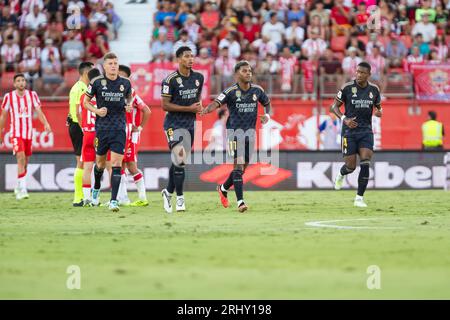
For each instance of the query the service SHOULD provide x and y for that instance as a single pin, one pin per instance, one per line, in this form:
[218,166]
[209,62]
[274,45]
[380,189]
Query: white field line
[330,224]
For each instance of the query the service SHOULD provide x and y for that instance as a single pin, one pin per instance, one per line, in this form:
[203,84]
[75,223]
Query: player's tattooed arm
[87,104]
[210,108]
[171,107]
[335,108]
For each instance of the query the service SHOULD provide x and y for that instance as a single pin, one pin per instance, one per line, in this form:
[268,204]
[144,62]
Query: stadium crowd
[47,39]
[307,37]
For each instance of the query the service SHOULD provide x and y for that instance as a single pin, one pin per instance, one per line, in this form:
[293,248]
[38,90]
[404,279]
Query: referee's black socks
[116,176]
[98,173]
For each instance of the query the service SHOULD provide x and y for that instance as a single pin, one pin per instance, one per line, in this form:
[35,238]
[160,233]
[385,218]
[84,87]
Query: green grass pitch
[210,252]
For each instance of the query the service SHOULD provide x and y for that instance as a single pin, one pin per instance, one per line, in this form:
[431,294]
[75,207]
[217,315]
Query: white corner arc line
[330,224]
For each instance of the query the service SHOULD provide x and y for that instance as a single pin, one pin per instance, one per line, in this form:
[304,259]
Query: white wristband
[139,128]
[343,117]
[268,116]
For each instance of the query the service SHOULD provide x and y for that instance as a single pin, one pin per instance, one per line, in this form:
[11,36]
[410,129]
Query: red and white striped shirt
[87,117]
[134,117]
[377,63]
[10,53]
[287,70]
[21,112]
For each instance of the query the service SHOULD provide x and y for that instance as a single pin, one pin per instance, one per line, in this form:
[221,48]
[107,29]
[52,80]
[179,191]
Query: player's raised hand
[264,119]
[350,122]
[378,113]
[102,112]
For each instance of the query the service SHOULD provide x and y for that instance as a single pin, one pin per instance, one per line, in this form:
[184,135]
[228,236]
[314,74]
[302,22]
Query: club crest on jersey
[354,91]
[180,82]
[255,97]
[370,95]
[121,88]
[238,95]
[103,83]
[197,83]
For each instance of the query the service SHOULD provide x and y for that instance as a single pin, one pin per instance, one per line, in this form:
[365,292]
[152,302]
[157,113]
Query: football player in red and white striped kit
[134,127]
[21,104]
[88,146]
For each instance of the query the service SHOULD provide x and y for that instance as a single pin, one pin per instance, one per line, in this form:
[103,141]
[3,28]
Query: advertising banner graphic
[286,171]
[432,82]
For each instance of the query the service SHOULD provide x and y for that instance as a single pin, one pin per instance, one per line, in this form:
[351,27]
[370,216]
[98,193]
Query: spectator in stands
[72,51]
[425,28]
[165,11]
[98,48]
[234,48]
[425,9]
[168,29]
[54,31]
[51,67]
[441,47]
[192,28]
[441,16]
[395,52]
[33,42]
[423,46]
[265,46]
[248,30]
[433,57]
[94,29]
[330,68]
[113,19]
[224,66]
[204,58]
[341,19]
[349,64]
[374,42]
[321,12]
[289,67]
[402,22]
[295,33]
[11,29]
[184,10]
[10,55]
[357,44]
[251,57]
[361,18]
[378,72]
[98,13]
[36,20]
[161,45]
[30,66]
[162,58]
[414,57]
[269,65]
[314,46]
[7,17]
[274,29]
[184,41]
[296,13]
[210,17]
[317,27]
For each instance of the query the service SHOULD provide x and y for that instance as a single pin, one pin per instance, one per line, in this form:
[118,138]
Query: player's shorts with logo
[88,149]
[176,136]
[22,145]
[351,143]
[130,154]
[114,140]
[241,147]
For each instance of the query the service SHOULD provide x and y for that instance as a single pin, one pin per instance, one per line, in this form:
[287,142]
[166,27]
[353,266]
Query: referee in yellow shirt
[76,135]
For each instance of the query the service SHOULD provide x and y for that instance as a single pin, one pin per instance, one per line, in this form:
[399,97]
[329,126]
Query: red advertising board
[293,126]
[147,79]
[432,81]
